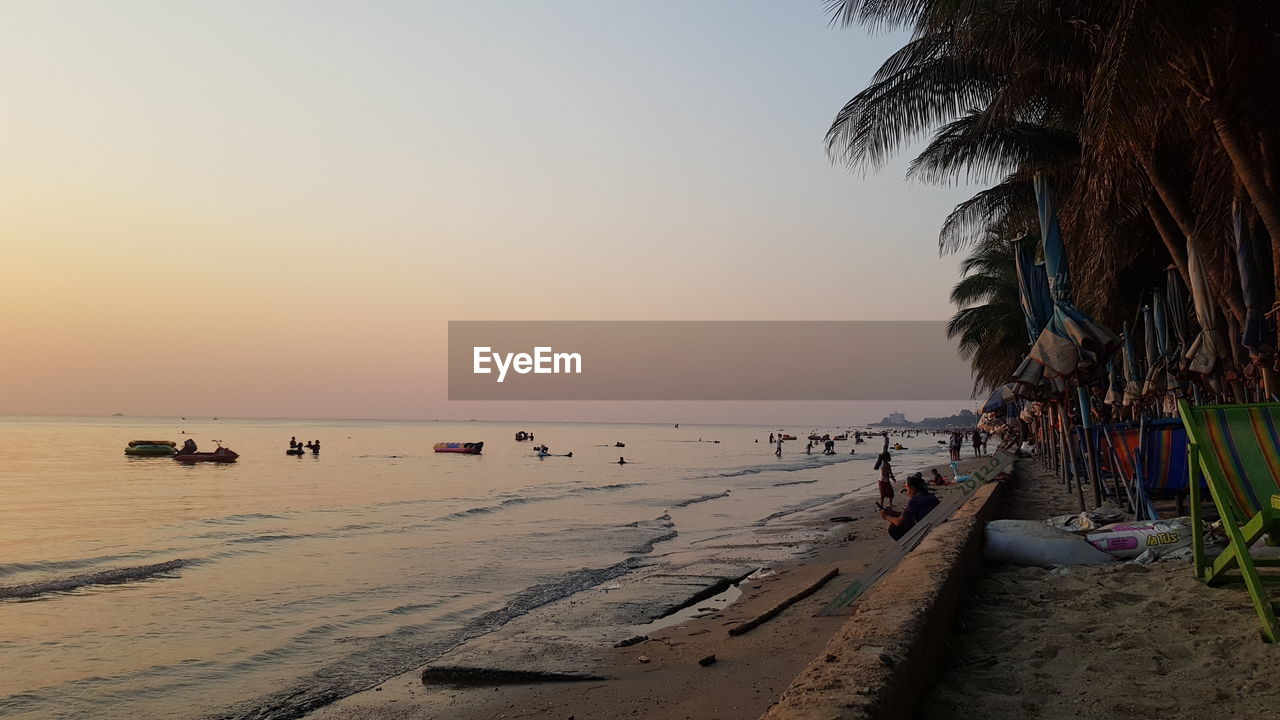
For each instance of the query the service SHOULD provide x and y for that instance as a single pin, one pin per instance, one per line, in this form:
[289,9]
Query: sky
[273,209]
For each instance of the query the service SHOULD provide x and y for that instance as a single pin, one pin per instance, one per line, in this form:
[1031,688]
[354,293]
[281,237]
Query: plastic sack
[1030,542]
[1129,540]
[1087,521]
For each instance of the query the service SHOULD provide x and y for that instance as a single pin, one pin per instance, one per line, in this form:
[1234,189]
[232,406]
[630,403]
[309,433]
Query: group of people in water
[977,437]
[920,499]
[297,448]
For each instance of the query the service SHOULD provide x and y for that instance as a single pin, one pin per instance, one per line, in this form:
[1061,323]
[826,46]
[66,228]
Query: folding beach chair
[1122,443]
[1162,463]
[1236,449]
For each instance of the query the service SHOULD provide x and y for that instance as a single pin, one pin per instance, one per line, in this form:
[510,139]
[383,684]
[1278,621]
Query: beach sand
[1111,641]
[660,677]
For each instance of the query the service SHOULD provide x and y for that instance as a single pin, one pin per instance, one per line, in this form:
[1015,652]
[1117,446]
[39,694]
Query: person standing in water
[778,452]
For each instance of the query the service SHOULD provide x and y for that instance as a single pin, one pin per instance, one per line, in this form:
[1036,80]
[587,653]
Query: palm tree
[1150,117]
[989,321]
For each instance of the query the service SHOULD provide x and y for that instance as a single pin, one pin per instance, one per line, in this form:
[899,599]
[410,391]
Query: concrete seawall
[875,665]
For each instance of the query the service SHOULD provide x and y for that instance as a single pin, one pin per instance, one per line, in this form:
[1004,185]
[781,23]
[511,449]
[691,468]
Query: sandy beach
[1108,641]
[659,677]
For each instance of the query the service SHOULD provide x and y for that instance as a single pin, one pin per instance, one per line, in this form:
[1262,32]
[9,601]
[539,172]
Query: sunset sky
[273,209]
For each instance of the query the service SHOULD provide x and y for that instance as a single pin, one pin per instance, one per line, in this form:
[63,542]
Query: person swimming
[622,461]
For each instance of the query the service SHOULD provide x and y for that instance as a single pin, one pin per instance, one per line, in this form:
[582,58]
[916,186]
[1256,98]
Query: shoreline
[510,671]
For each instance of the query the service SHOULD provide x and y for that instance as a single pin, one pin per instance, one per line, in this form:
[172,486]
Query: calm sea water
[334,572]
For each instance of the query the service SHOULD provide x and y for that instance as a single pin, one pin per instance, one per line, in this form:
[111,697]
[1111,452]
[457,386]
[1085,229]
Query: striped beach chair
[1236,450]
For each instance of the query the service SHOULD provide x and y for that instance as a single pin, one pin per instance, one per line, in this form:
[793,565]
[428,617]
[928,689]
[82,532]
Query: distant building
[964,418]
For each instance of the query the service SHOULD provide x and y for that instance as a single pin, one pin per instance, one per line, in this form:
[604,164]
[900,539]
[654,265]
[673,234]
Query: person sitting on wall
[919,503]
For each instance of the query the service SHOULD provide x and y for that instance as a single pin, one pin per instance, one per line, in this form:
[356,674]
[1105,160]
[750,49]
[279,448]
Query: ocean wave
[810,462]
[522,500]
[701,499]
[269,538]
[791,510]
[53,566]
[408,648]
[101,577]
[242,518]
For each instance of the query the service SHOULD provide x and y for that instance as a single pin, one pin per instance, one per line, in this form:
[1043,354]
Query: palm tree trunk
[1173,242]
[1226,291]
[1253,178]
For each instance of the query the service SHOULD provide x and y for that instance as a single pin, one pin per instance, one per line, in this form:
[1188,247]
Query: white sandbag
[1129,540]
[1030,542]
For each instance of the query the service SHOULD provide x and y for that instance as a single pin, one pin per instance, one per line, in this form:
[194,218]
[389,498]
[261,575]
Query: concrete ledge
[876,664]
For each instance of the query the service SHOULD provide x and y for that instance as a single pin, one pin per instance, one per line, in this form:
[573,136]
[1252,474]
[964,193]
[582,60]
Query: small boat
[221,455]
[787,437]
[151,448]
[464,448]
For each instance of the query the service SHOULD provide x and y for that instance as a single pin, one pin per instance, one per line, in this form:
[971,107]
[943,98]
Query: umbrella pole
[1069,457]
[1059,466]
[1091,452]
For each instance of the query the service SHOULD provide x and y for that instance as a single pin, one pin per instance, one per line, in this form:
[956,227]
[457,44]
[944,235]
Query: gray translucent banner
[704,360]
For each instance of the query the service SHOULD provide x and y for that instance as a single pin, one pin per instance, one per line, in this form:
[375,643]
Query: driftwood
[774,611]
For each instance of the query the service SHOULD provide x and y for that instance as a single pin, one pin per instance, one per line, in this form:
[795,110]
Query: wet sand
[1110,641]
[659,677]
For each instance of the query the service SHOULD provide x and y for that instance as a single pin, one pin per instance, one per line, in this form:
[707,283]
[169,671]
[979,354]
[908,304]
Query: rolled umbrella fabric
[1252,336]
[1205,352]
[1176,299]
[1033,287]
[1072,343]
[1004,395]
[1115,387]
[1132,383]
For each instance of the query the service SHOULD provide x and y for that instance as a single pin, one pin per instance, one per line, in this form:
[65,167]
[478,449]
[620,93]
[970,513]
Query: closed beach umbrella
[1001,396]
[1072,343]
[1251,336]
[1177,303]
[1033,287]
[1132,384]
[1205,351]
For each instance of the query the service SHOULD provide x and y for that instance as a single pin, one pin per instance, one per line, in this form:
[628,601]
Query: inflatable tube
[149,450]
[135,443]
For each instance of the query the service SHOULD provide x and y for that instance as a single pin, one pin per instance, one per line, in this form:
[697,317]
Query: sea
[333,572]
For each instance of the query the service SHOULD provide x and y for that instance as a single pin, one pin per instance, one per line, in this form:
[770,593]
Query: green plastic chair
[1236,450]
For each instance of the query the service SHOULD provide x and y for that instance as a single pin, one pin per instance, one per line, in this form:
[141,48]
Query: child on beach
[886,479]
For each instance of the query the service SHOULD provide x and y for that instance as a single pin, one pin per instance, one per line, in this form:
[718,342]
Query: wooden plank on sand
[774,611]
